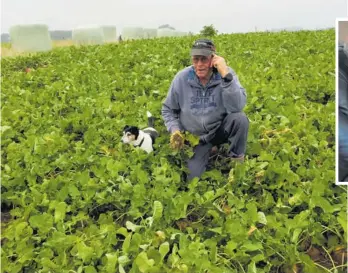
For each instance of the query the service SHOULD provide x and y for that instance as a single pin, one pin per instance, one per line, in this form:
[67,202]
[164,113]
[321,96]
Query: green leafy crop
[81,201]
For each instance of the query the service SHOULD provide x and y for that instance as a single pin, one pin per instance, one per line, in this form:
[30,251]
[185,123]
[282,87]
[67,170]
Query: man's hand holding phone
[220,64]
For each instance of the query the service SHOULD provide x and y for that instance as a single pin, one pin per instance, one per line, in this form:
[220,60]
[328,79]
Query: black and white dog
[144,138]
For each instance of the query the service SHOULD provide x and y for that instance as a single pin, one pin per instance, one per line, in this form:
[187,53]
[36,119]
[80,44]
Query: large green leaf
[43,222]
[143,263]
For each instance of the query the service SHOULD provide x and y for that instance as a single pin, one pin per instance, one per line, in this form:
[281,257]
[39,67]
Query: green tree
[209,31]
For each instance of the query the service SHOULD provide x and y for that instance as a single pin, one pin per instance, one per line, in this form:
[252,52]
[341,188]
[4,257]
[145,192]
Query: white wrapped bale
[165,32]
[180,33]
[150,33]
[110,34]
[88,35]
[132,33]
[30,38]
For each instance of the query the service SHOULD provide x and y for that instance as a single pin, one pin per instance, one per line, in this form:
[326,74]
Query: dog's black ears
[131,129]
[134,130]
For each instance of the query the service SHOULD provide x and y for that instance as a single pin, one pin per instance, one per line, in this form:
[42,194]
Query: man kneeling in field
[207,99]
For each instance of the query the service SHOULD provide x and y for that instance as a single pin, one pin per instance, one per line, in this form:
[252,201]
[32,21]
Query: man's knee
[238,119]
[198,163]
[197,167]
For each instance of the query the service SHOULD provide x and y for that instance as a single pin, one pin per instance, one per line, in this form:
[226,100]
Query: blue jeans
[233,130]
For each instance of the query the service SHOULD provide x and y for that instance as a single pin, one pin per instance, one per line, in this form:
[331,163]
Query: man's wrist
[224,73]
[228,77]
[174,129]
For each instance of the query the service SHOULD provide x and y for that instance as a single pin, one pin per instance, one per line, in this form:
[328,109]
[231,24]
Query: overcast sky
[185,15]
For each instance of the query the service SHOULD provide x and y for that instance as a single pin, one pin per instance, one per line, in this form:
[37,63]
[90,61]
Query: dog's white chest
[144,142]
[147,143]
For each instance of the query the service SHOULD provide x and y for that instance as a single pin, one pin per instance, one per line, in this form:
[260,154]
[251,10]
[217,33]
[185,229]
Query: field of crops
[81,201]
[8,51]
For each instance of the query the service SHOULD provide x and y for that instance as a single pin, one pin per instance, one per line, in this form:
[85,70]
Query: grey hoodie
[200,110]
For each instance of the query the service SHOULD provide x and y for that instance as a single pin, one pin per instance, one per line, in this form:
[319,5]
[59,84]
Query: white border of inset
[336,100]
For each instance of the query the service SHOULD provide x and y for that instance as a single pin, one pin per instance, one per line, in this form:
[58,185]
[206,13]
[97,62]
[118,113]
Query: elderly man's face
[202,65]
[343,31]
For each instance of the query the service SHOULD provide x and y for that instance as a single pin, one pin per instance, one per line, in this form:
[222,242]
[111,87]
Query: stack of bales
[88,35]
[150,33]
[165,32]
[30,38]
[180,33]
[110,34]
[132,33]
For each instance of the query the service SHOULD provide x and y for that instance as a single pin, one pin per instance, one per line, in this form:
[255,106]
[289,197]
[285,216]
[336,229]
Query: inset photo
[342,101]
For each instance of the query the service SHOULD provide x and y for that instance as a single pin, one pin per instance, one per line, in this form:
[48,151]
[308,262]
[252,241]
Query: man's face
[343,31]
[202,65]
